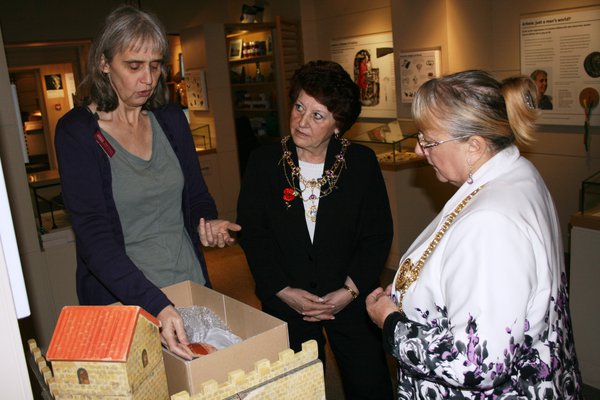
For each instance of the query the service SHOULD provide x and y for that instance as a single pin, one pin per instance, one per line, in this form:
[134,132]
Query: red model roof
[95,333]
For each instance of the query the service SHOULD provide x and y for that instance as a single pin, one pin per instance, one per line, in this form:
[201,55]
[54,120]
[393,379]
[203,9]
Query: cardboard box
[263,337]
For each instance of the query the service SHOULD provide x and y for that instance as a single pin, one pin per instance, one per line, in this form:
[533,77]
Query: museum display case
[393,143]
[584,235]
[590,195]
[588,215]
[201,135]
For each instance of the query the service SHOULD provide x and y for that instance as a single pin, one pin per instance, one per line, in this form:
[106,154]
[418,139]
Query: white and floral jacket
[488,317]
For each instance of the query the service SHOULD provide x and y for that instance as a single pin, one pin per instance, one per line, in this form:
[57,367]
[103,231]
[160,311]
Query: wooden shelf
[284,40]
[253,85]
[257,110]
[251,60]
[235,30]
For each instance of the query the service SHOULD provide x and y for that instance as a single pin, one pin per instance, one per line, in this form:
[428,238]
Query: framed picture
[54,86]
[235,49]
[195,86]
[370,60]
[416,68]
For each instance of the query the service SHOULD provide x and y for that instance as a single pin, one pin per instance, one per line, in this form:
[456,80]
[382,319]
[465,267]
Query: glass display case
[201,135]
[393,143]
[590,195]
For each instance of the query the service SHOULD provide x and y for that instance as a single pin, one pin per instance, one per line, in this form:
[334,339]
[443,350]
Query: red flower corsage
[289,194]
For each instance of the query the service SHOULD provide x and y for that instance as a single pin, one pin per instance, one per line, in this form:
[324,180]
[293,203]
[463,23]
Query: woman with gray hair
[479,306]
[131,180]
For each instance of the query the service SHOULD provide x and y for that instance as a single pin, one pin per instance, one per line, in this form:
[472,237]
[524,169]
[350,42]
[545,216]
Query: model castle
[101,352]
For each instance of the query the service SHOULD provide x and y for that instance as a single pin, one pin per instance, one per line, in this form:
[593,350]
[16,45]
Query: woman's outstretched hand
[216,232]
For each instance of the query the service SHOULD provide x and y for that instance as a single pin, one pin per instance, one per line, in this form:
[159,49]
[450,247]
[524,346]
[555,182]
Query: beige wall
[481,34]
[471,34]
[559,153]
[485,34]
[324,20]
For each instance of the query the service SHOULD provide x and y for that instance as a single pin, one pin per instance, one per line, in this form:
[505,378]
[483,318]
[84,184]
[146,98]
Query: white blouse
[490,305]
[310,171]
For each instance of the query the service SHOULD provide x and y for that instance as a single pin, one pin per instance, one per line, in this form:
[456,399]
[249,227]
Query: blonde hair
[471,103]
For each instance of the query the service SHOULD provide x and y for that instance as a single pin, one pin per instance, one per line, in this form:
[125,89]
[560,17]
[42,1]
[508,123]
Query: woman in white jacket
[479,307]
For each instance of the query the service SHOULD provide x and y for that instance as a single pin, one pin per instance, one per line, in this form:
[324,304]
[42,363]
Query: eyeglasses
[427,144]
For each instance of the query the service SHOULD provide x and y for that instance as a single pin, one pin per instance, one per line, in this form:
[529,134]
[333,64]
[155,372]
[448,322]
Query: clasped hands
[313,307]
[380,305]
[216,232]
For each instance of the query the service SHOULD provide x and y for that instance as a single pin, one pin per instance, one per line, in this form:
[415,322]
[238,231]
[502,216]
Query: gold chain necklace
[312,185]
[409,273]
[326,183]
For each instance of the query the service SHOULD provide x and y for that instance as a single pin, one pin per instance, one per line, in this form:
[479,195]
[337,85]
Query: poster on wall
[54,86]
[369,59]
[560,50]
[195,86]
[417,67]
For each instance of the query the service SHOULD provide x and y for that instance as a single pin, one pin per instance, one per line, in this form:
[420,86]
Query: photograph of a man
[53,82]
[543,101]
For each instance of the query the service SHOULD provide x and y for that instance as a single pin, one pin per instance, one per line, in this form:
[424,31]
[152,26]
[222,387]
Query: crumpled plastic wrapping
[202,325]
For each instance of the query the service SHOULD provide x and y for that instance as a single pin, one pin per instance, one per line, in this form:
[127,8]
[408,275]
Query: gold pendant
[311,213]
[404,279]
[408,273]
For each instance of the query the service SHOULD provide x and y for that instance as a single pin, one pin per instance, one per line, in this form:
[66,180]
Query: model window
[82,376]
[144,358]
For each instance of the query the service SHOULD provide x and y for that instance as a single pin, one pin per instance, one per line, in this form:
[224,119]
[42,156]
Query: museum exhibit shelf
[393,144]
[584,267]
[262,58]
[414,192]
[201,136]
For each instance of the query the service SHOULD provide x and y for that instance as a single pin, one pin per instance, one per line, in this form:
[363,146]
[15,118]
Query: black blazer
[352,236]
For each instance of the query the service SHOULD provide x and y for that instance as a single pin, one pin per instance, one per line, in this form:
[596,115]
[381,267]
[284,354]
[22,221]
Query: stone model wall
[149,381]
[293,377]
[103,378]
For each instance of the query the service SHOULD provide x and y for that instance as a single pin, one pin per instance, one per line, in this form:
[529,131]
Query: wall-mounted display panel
[195,85]
[369,59]
[565,46]
[416,68]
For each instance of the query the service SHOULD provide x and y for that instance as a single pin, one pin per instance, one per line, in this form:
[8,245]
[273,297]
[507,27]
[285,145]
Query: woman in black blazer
[318,228]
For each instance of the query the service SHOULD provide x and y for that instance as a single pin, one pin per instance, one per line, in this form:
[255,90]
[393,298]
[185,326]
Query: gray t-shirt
[147,194]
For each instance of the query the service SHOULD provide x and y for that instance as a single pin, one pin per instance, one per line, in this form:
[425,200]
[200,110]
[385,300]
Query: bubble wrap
[202,325]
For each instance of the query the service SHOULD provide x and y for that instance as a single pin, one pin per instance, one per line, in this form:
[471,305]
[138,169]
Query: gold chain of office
[326,183]
[409,272]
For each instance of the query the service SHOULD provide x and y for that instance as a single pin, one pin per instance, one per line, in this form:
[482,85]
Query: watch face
[591,64]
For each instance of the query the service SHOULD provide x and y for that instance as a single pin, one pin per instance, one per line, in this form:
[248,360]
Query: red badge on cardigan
[101,140]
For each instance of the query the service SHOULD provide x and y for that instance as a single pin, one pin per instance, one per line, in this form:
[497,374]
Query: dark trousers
[356,344]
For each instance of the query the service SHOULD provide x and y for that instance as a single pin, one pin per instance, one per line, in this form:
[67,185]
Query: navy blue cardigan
[105,274]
